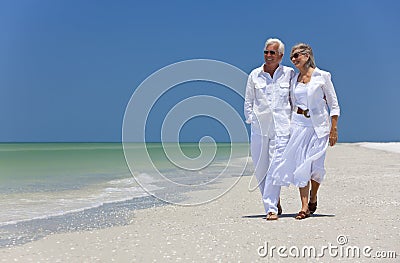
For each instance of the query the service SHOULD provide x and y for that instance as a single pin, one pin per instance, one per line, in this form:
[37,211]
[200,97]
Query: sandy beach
[358,206]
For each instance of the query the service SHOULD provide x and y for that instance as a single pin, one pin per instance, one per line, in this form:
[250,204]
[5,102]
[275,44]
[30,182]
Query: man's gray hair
[281,48]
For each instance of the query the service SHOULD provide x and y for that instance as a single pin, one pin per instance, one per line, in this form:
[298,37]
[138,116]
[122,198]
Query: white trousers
[266,152]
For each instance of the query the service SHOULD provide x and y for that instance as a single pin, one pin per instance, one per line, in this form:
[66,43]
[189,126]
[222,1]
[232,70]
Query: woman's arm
[333,135]
[334,108]
[330,94]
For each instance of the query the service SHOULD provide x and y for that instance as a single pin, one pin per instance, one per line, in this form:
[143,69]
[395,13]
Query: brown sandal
[312,207]
[272,216]
[302,215]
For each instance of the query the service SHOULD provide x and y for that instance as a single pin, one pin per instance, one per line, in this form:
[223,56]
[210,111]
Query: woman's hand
[333,135]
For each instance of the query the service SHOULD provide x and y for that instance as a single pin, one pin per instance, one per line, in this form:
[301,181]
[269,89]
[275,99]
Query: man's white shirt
[267,104]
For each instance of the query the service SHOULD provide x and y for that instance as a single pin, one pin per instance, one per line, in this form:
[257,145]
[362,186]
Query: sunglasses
[272,52]
[295,55]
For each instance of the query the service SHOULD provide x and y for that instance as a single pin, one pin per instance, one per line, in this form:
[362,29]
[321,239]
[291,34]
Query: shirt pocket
[284,89]
[282,96]
[259,90]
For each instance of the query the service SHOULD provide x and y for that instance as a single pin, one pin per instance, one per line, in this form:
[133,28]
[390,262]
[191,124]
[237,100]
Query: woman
[312,129]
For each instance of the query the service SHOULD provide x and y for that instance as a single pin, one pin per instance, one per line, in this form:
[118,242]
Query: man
[267,109]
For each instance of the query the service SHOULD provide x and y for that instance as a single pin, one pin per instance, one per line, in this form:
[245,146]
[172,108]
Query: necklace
[306,77]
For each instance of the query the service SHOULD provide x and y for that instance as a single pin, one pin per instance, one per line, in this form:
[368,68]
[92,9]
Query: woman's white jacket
[320,95]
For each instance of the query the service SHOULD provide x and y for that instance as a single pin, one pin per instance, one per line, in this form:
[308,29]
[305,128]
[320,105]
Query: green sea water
[41,180]
[58,166]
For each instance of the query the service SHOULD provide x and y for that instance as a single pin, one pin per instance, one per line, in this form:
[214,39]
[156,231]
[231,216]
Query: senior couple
[293,118]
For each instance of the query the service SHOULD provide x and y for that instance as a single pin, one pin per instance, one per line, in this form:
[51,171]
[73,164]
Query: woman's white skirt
[303,158]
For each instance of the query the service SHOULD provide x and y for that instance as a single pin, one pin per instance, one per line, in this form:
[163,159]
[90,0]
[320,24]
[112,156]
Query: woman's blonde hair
[305,49]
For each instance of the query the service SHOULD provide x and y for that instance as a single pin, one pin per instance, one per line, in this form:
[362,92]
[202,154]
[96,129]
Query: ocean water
[43,180]
[52,187]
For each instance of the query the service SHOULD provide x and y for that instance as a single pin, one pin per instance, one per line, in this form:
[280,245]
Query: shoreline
[106,215]
[357,200]
[66,187]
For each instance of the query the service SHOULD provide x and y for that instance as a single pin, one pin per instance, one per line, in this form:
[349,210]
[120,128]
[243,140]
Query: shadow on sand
[286,216]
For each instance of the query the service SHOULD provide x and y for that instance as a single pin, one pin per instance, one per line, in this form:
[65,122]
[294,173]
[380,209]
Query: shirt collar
[316,72]
[261,69]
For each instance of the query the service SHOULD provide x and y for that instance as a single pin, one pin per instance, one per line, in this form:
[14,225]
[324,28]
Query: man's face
[271,55]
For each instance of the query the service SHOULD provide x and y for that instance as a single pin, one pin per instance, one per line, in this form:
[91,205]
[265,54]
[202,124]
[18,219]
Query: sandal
[272,216]
[302,215]
[312,207]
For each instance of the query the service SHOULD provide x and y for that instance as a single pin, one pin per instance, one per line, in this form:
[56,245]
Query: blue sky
[69,68]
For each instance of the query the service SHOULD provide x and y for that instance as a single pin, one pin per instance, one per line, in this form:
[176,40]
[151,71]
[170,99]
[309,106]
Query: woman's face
[299,58]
